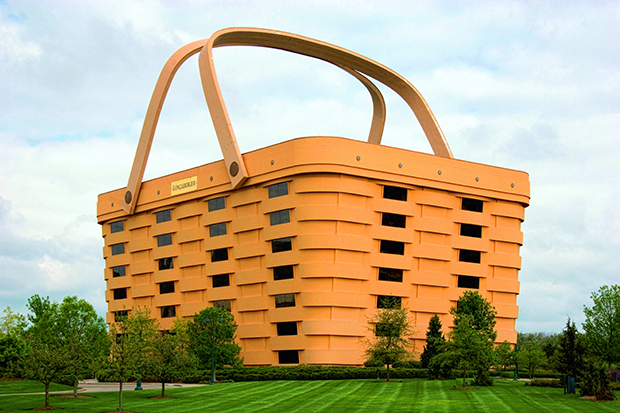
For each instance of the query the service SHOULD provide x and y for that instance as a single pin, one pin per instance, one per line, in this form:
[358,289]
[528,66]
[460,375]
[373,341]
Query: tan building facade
[313,240]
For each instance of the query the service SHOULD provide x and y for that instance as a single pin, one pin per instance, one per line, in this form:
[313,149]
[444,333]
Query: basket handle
[353,63]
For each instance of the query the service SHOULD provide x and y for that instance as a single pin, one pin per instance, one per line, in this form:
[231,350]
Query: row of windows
[400,194]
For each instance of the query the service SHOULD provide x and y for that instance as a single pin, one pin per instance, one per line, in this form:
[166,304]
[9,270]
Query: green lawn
[340,396]
[28,386]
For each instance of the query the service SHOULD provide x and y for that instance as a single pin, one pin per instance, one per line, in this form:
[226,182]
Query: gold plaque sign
[184,185]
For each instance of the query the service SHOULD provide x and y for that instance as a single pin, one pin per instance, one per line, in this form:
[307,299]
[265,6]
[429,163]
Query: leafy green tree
[12,323]
[595,381]
[47,357]
[602,325]
[13,350]
[532,357]
[170,359]
[392,330]
[130,340]
[85,337]
[504,356]
[434,342]
[200,332]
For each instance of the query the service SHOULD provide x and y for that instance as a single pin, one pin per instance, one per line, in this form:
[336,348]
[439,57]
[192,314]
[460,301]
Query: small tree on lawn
[434,342]
[504,357]
[570,353]
[201,331]
[392,330]
[130,338]
[602,325]
[532,357]
[170,359]
[13,350]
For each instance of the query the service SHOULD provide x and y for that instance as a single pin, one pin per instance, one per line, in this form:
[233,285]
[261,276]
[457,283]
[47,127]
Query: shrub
[545,383]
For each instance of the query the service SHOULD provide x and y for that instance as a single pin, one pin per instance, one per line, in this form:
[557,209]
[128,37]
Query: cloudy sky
[526,85]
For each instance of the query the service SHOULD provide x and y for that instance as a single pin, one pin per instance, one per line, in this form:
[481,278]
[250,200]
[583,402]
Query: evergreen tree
[569,355]
[434,341]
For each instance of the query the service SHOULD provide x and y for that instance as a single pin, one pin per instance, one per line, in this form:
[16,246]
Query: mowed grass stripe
[323,398]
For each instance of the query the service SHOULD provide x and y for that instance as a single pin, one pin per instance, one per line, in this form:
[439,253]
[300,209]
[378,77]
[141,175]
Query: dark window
[465,281]
[117,226]
[163,216]
[469,230]
[168,311]
[119,271]
[288,357]
[219,255]
[392,247]
[118,249]
[217,204]
[277,190]
[287,329]
[393,220]
[283,273]
[281,244]
[223,304]
[280,217]
[120,293]
[120,315]
[471,204]
[166,264]
[216,230]
[220,280]
[163,240]
[469,256]
[390,274]
[387,301]
[394,192]
[285,300]
[166,288]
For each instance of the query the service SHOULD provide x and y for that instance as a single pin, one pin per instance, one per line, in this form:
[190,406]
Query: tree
[12,323]
[392,330]
[434,341]
[569,355]
[170,358]
[595,381]
[532,357]
[84,333]
[130,339]
[602,325]
[47,357]
[482,313]
[504,357]
[201,331]
[13,349]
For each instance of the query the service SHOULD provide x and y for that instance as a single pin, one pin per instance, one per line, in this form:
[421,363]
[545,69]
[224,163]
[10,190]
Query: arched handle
[349,61]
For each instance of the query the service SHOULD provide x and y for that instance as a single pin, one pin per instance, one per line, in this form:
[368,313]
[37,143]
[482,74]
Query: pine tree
[434,341]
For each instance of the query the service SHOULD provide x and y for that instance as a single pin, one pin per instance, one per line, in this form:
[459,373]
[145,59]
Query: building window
[163,216]
[388,302]
[216,230]
[469,256]
[288,357]
[469,204]
[390,274]
[220,280]
[168,311]
[281,244]
[223,304]
[120,293]
[283,273]
[166,288]
[277,190]
[469,230]
[393,220]
[119,271]
[120,315]
[465,281]
[117,226]
[166,264]
[288,328]
[285,300]
[394,192]
[280,217]
[217,204]
[392,247]
[164,239]
[220,254]
[118,249]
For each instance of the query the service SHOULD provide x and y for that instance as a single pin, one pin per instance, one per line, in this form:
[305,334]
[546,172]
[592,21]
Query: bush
[408,364]
[545,383]
[373,363]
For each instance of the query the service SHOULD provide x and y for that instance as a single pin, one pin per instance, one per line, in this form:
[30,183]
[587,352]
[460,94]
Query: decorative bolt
[512,185]
[272,161]
[439,172]
[477,179]
[127,197]
[234,168]
[358,158]
[400,165]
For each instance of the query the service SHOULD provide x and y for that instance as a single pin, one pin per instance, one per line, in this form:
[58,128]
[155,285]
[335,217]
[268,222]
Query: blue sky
[533,86]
